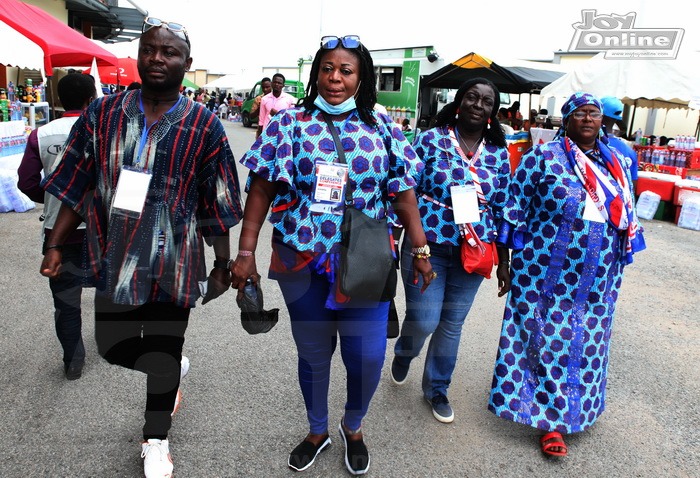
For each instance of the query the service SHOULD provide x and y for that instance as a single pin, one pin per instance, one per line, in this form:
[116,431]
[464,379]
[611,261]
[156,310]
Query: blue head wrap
[578,100]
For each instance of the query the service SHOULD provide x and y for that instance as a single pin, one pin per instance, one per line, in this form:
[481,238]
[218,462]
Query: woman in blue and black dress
[466,150]
[571,224]
[306,239]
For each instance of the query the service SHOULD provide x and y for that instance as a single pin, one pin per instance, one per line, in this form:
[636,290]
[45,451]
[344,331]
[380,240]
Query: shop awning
[508,79]
[62,46]
[647,83]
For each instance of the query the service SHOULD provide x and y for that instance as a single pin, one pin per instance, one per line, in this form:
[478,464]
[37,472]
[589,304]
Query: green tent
[189,84]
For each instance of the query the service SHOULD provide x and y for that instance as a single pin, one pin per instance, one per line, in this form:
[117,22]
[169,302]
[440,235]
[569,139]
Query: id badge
[465,203]
[329,187]
[591,211]
[131,192]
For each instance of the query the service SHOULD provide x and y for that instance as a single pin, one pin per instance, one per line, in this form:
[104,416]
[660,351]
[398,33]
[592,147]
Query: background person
[306,244]
[572,227]
[75,92]
[612,113]
[145,250]
[467,146]
[266,86]
[274,102]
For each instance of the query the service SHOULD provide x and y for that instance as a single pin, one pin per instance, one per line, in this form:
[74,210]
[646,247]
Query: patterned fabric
[193,193]
[444,167]
[381,164]
[612,198]
[628,153]
[271,102]
[551,368]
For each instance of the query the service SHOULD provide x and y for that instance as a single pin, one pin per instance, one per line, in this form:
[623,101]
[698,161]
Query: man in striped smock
[152,174]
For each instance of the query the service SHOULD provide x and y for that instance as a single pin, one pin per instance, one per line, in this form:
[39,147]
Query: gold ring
[433,275]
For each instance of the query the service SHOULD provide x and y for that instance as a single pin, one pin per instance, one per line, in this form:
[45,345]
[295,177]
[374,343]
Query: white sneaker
[184,368]
[157,462]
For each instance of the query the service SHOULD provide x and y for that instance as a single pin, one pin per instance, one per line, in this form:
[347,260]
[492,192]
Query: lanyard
[146,130]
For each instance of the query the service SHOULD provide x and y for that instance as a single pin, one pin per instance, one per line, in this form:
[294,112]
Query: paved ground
[243,412]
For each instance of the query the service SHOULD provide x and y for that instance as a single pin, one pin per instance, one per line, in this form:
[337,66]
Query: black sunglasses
[332,42]
[176,28]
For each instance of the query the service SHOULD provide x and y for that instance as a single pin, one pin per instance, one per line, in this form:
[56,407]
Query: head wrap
[578,100]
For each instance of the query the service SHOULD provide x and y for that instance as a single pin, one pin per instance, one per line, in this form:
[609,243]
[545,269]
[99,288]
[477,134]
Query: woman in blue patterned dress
[306,237]
[572,227]
[466,150]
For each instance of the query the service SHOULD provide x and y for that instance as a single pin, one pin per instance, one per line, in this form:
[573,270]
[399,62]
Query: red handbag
[477,256]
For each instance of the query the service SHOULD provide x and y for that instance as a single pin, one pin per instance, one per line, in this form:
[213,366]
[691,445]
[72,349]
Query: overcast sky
[228,38]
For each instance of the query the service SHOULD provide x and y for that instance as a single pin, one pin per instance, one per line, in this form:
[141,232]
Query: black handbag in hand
[366,262]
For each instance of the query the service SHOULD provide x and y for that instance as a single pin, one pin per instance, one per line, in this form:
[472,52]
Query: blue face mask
[344,107]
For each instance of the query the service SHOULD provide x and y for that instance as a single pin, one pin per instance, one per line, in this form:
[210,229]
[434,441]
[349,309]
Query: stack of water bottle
[685,142]
[666,157]
[12,145]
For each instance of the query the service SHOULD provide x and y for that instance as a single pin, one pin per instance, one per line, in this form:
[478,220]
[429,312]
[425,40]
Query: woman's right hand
[242,268]
[423,268]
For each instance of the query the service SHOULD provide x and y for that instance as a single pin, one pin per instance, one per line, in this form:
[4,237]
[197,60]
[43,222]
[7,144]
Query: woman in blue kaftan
[572,227]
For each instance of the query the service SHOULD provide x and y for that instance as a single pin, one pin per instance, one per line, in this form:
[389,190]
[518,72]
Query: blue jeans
[440,311]
[315,329]
[66,290]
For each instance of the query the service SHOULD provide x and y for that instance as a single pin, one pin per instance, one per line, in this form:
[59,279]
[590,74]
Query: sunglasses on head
[176,28]
[348,41]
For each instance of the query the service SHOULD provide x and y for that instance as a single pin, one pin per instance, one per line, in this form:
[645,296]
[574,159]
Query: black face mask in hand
[254,318]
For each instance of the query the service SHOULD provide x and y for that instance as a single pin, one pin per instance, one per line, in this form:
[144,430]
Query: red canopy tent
[62,46]
[124,73]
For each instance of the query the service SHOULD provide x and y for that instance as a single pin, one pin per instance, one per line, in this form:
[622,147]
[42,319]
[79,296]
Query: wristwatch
[423,250]
[224,264]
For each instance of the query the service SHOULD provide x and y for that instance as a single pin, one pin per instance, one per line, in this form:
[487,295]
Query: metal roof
[110,24]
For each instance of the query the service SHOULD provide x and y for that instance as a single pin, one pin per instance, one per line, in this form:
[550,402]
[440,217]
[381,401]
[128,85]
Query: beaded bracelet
[420,256]
[245,253]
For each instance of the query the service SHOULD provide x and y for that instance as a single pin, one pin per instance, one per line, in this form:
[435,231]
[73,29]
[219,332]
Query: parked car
[293,87]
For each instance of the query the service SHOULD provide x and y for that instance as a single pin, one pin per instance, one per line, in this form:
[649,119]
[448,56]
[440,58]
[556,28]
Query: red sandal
[553,440]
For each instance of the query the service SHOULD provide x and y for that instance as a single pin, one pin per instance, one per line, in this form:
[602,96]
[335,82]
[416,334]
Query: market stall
[656,84]
[61,46]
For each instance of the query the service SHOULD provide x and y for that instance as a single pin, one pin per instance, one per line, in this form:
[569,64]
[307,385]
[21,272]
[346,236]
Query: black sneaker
[305,453]
[442,410]
[74,370]
[398,372]
[356,454]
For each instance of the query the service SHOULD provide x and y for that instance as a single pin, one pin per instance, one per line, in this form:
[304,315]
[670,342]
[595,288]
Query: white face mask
[344,107]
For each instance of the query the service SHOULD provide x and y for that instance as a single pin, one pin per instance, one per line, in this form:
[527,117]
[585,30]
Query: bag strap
[341,153]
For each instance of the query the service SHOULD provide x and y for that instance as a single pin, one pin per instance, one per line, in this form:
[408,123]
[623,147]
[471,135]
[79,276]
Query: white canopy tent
[23,53]
[237,82]
[646,83]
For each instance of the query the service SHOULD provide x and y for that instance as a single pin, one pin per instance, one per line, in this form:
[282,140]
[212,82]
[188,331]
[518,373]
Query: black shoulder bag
[366,263]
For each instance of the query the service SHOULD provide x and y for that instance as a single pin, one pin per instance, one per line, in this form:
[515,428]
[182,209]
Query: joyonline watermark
[619,39]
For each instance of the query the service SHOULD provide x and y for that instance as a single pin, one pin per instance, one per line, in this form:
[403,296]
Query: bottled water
[647,205]
[250,289]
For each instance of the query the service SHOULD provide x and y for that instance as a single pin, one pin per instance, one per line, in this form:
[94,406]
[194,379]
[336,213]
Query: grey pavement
[243,412]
